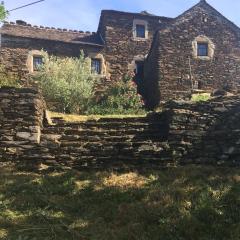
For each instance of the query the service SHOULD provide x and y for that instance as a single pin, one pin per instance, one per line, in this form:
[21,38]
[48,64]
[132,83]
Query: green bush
[67,82]
[120,98]
[8,79]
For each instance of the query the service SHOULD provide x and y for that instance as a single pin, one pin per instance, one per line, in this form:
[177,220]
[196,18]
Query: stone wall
[15,52]
[114,42]
[121,49]
[177,69]
[183,133]
[205,133]
[21,118]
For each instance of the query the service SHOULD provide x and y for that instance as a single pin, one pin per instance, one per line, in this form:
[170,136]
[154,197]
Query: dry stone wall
[183,133]
[21,118]
[205,133]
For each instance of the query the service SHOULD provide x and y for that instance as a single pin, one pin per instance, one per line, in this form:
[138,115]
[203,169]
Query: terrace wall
[184,133]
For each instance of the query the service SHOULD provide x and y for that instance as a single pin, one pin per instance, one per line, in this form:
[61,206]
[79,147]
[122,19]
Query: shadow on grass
[182,203]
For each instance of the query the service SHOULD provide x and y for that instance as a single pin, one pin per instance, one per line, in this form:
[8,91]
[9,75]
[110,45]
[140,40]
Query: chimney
[21,22]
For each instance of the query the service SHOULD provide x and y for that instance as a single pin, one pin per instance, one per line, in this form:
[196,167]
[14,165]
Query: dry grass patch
[183,203]
[127,180]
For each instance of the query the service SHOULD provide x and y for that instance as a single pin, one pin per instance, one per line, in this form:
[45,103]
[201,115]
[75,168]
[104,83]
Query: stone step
[98,129]
[85,144]
[143,119]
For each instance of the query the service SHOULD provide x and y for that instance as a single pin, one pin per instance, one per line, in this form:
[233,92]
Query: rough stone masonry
[21,118]
[183,133]
[125,42]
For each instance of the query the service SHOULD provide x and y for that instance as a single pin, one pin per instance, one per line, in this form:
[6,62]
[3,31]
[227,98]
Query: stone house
[119,46]
[170,56]
[199,50]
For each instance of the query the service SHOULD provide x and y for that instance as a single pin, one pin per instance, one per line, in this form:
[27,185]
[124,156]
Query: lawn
[185,203]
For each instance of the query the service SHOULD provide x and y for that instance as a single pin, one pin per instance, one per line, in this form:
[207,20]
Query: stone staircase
[105,143]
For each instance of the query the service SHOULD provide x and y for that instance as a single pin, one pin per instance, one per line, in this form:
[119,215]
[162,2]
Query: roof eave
[54,40]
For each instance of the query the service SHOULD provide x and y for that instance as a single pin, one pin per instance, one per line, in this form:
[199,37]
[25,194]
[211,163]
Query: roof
[22,29]
[211,10]
[144,14]
[182,18]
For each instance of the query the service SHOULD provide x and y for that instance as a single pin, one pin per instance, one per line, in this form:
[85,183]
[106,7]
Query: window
[140,31]
[37,62]
[96,66]
[202,49]
[139,68]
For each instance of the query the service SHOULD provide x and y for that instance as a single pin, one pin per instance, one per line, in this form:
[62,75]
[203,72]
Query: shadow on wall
[151,94]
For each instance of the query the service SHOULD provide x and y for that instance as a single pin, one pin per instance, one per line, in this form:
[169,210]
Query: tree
[67,82]
[3,12]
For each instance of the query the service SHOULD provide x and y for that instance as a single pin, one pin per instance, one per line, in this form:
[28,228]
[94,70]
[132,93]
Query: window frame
[35,67]
[210,50]
[140,22]
[205,50]
[29,62]
[100,66]
[139,32]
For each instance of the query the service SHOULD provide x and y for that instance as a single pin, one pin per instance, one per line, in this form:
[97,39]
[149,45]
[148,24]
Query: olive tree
[68,82]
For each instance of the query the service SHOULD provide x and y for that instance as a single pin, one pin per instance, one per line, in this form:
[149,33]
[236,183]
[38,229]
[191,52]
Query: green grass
[185,203]
[82,118]
[201,97]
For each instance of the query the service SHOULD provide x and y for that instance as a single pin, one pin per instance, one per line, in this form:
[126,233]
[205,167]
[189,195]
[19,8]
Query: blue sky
[84,14]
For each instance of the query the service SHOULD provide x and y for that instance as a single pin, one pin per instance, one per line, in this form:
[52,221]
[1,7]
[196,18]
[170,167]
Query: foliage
[7,79]
[184,203]
[120,98]
[3,12]
[68,82]
[201,97]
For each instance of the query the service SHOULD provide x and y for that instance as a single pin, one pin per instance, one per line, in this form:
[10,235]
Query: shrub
[8,79]
[120,98]
[67,82]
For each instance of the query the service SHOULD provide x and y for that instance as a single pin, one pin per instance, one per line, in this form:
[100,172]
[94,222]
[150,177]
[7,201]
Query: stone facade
[115,44]
[122,47]
[124,40]
[173,68]
[17,51]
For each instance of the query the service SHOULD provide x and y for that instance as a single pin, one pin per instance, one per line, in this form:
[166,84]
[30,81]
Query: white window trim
[140,22]
[211,47]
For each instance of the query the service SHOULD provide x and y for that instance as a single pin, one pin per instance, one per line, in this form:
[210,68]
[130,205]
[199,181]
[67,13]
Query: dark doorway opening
[139,75]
